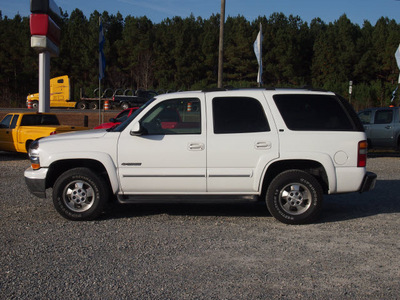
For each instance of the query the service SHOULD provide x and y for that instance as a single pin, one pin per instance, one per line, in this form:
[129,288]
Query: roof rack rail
[310,88]
[213,90]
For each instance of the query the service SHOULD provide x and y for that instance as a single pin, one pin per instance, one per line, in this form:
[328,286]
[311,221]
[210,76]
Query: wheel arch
[312,167]
[59,167]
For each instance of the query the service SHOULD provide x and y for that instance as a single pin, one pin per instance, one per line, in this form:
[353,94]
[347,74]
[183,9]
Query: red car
[122,116]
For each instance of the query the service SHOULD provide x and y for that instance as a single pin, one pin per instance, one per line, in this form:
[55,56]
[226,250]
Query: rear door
[241,139]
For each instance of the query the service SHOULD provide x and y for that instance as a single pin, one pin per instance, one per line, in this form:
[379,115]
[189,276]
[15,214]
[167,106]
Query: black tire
[125,105]
[81,105]
[294,197]
[27,144]
[80,195]
[35,104]
[93,105]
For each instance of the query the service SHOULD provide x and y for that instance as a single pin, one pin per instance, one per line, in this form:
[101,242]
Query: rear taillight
[362,154]
[53,132]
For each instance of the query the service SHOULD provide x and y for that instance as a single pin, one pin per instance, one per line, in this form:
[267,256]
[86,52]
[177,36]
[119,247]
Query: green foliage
[182,54]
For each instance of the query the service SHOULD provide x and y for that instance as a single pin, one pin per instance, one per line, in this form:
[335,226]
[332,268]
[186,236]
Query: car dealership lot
[208,251]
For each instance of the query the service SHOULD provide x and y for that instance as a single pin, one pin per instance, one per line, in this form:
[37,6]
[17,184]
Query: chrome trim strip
[165,176]
[131,164]
[230,176]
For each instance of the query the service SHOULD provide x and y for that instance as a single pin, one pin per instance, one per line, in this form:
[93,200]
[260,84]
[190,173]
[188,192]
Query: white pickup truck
[287,147]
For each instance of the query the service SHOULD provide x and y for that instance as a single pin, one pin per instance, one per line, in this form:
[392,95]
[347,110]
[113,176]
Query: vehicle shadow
[242,209]
[336,208]
[383,153]
[10,156]
[383,199]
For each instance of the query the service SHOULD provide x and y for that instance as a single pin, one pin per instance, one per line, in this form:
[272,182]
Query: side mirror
[136,129]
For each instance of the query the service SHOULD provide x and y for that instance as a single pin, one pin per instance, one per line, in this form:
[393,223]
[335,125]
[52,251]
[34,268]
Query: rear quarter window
[314,112]
[38,119]
[383,116]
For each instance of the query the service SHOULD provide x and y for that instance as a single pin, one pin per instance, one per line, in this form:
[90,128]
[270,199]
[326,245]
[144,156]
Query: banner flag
[258,52]
[397,55]
[102,59]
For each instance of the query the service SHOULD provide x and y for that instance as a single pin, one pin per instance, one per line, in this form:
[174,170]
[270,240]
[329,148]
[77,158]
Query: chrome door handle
[196,146]
[263,145]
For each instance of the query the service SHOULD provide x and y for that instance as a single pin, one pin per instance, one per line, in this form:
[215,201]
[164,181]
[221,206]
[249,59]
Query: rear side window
[14,121]
[383,116]
[238,115]
[313,112]
[35,120]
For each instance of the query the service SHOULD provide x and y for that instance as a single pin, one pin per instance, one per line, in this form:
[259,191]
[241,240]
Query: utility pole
[221,45]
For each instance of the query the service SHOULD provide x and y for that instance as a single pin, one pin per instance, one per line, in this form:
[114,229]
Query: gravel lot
[209,251]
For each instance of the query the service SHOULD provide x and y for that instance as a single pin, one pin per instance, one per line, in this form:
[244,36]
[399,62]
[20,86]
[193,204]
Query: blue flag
[102,59]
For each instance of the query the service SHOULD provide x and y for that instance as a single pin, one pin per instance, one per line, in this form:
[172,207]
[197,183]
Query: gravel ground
[209,251]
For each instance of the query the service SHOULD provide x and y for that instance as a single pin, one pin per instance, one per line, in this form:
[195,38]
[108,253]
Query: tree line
[182,54]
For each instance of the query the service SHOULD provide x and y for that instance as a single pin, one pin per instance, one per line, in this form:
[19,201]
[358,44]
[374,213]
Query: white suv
[285,147]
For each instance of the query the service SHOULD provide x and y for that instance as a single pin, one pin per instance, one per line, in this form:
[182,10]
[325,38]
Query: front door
[7,134]
[169,156]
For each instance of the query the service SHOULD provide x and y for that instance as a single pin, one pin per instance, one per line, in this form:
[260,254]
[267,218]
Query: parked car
[286,147]
[19,130]
[382,126]
[122,116]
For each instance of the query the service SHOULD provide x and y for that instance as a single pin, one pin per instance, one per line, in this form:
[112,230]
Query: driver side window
[178,116]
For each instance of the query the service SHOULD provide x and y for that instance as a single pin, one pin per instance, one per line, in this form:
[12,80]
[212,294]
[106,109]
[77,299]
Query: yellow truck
[19,130]
[61,96]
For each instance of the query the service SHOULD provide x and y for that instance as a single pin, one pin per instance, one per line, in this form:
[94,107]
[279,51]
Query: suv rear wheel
[79,194]
[294,197]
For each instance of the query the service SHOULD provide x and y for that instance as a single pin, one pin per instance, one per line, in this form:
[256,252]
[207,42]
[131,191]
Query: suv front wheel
[79,194]
[294,197]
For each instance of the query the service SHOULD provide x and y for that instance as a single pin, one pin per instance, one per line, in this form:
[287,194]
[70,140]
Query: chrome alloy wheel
[295,199]
[78,196]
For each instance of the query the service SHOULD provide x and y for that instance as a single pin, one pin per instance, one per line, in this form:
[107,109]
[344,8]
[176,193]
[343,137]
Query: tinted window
[5,123]
[365,117]
[14,121]
[238,115]
[313,112]
[180,116]
[34,120]
[122,116]
[383,116]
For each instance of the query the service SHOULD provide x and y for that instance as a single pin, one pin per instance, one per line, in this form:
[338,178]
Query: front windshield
[123,125]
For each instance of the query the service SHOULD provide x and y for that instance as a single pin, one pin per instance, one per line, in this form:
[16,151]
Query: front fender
[103,158]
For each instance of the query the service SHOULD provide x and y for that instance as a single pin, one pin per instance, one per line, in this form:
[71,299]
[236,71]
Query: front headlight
[34,155]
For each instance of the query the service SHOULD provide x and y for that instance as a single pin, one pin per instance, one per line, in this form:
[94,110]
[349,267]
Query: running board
[186,198]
